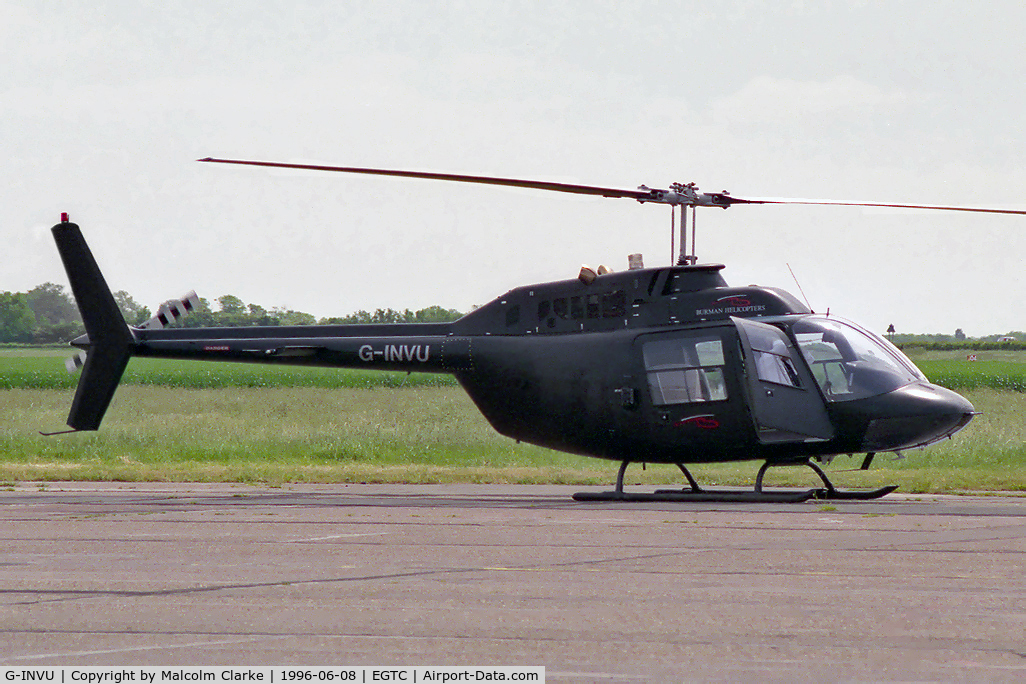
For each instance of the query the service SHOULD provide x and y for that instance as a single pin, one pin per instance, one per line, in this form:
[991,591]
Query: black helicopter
[650,365]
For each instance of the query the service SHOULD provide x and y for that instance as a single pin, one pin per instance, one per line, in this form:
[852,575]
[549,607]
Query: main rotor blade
[461,178]
[686,195]
[725,199]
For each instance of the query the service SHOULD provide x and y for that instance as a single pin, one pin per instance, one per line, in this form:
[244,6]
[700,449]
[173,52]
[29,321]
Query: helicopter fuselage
[649,365]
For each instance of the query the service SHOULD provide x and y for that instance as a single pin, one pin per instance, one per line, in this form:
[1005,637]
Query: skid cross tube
[691,478]
[829,491]
[694,494]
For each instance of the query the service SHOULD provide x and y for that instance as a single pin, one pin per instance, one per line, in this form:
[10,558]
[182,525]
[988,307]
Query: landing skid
[758,495]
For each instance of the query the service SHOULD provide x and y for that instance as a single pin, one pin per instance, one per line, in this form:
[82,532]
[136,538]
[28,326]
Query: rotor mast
[684,196]
[684,257]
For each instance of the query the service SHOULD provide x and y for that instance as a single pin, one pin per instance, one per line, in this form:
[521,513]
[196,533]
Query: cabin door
[695,408]
[784,400]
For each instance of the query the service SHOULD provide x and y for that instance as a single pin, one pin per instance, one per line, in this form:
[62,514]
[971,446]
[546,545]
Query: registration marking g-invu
[396,352]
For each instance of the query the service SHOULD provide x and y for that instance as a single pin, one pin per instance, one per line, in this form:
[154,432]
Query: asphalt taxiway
[902,588]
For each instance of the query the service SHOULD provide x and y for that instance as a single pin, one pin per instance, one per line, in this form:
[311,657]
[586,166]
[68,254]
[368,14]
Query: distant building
[1006,338]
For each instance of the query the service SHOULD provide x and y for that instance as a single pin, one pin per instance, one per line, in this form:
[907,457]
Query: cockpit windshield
[850,363]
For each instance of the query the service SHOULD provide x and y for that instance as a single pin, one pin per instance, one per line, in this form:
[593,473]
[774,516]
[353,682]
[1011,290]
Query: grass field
[1003,370]
[204,422]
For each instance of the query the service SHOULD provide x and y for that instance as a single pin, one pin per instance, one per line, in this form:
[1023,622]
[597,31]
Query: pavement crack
[61,595]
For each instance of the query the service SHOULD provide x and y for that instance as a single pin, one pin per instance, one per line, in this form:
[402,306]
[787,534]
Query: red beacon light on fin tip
[64,217]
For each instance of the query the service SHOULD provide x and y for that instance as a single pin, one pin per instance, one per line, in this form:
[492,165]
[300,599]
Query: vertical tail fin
[109,341]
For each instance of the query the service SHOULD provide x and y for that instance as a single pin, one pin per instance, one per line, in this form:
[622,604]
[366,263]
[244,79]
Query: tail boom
[109,342]
[397,347]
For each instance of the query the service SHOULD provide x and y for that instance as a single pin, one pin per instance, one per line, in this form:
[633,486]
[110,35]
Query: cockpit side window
[772,360]
[849,363]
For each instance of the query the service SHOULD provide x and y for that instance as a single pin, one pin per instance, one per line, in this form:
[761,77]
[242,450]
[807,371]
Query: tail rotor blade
[171,312]
[75,363]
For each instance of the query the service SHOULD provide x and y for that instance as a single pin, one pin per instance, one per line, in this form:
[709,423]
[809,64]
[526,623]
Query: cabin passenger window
[513,315]
[559,307]
[593,306]
[543,309]
[576,307]
[685,369]
[614,305]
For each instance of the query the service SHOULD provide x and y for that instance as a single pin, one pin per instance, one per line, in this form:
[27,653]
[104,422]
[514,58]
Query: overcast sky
[104,106]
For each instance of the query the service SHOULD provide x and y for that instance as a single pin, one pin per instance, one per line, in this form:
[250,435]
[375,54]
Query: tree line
[47,314]
[1016,339]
